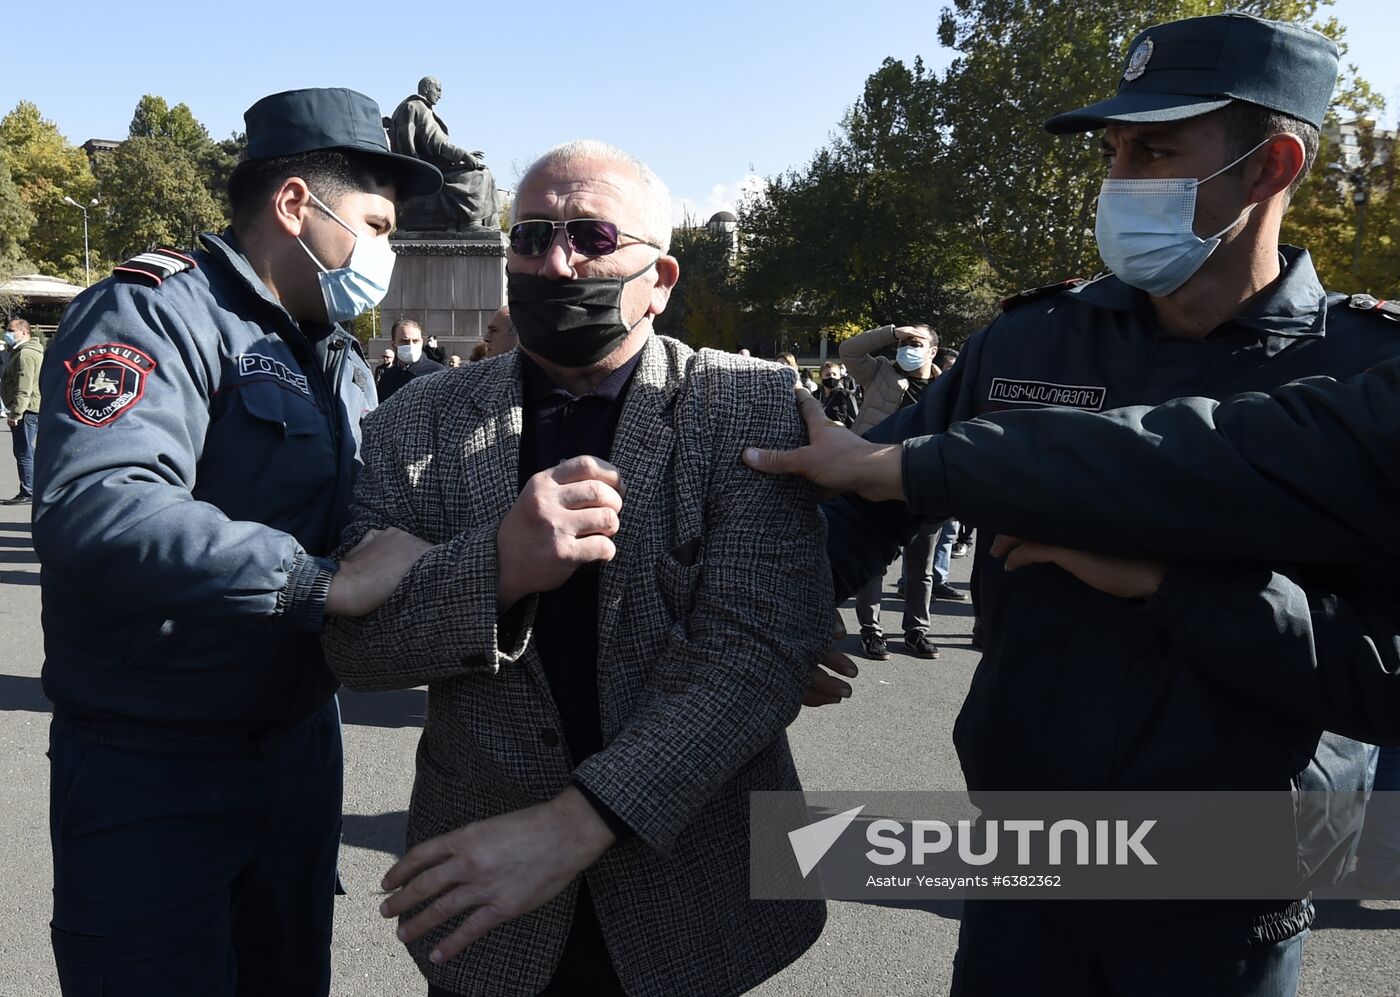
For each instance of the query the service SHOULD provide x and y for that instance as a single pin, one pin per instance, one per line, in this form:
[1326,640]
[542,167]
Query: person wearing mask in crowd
[601,704]
[434,352]
[1242,671]
[200,437]
[788,360]
[890,386]
[19,393]
[410,361]
[500,333]
[836,400]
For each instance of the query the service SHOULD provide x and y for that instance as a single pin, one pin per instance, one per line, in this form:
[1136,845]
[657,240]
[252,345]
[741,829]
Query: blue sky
[705,92]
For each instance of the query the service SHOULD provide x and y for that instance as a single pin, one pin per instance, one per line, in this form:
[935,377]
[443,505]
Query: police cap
[1191,67]
[297,121]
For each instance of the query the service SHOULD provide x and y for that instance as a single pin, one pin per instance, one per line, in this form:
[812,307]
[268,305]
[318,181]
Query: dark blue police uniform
[1209,685]
[199,454]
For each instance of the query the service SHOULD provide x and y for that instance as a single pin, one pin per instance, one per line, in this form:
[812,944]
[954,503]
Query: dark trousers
[1072,949]
[918,587]
[195,872]
[22,442]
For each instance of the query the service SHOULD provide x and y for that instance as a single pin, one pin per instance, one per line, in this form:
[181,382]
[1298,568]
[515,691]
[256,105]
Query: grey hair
[656,206]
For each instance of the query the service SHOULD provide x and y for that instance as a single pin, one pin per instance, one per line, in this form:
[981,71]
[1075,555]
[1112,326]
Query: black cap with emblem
[1186,68]
[297,121]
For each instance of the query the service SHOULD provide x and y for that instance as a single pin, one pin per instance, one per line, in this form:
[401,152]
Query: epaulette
[1031,294]
[154,267]
[1368,303]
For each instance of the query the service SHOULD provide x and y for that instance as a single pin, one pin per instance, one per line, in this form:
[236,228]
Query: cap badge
[1137,62]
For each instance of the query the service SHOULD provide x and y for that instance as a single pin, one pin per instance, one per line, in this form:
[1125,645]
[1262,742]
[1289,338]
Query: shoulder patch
[154,267]
[1031,294]
[1368,303]
[106,381]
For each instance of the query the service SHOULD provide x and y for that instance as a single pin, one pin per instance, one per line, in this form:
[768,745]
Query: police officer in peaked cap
[1178,668]
[199,450]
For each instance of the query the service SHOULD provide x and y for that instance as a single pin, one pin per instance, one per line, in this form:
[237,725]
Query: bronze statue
[468,199]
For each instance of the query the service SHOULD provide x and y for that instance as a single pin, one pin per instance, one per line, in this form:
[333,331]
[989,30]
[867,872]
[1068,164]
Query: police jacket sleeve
[1293,643]
[1309,473]
[441,620]
[863,537]
[732,676]
[115,515]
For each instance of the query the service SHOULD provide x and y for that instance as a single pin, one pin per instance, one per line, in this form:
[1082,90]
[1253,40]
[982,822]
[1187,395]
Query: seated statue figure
[468,198]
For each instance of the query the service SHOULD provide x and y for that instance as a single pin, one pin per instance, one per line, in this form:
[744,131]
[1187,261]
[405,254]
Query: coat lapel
[641,452]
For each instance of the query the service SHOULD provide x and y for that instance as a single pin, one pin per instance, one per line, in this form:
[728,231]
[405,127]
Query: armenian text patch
[1008,391]
[105,381]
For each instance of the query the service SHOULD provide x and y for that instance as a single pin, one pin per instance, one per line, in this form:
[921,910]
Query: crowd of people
[611,536]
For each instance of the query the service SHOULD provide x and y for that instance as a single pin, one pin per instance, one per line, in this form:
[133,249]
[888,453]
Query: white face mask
[1146,234]
[910,358]
[409,352]
[355,288]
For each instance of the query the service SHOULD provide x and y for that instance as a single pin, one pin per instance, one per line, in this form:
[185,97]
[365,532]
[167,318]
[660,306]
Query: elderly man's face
[596,189]
[500,334]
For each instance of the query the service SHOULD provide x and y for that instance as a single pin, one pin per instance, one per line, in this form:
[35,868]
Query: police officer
[1211,682]
[200,446]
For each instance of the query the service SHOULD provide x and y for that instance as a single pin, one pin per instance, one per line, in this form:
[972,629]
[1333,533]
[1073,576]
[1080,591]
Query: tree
[44,168]
[214,161]
[155,196]
[867,232]
[702,310]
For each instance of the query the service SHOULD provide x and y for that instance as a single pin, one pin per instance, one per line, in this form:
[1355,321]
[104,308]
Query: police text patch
[1010,392]
[261,368]
[105,381]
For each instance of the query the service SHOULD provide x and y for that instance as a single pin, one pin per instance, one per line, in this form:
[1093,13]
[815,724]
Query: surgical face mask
[355,288]
[1145,230]
[572,323]
[9,339]
[409,352]
[910,358]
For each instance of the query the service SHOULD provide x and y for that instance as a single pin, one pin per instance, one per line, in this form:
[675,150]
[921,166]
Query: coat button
[550,737]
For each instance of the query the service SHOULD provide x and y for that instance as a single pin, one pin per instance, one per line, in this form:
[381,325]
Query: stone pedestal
[450,285]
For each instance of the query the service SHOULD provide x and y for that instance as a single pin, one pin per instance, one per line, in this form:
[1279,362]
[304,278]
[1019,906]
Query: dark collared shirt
[557,426]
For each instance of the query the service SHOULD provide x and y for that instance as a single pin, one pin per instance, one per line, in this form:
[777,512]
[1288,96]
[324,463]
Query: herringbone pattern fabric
[702,660]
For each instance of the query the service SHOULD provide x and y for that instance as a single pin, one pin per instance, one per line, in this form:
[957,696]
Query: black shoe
[946,591]
[18,500]
[920,646]
[960,550]
[977,634]
[873,646]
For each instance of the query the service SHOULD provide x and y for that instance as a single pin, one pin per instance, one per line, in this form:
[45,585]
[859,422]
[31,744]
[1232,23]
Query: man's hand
[13,419]
[824,688]
[504,867]
[371,571]
[1120,576]
[565,517]
[835,458]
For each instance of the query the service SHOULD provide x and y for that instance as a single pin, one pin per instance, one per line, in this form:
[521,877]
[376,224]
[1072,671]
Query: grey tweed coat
[710,616]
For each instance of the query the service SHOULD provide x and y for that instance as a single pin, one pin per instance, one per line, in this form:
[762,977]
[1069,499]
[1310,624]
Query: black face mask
[830,383]
[573,323]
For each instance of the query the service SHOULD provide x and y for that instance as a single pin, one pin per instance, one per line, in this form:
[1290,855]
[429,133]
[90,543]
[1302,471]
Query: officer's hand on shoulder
[372,570]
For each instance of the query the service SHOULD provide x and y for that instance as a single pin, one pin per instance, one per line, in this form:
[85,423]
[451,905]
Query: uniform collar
[1294,305]
[225,248]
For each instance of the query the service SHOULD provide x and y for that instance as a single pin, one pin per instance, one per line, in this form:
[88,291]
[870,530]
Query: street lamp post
[87,256]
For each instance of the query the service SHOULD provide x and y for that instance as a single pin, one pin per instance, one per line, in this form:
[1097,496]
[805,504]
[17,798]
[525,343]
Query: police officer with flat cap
[1139,674]
[200,447]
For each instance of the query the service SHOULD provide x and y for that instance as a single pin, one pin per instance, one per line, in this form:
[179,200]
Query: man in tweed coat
[707,600]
